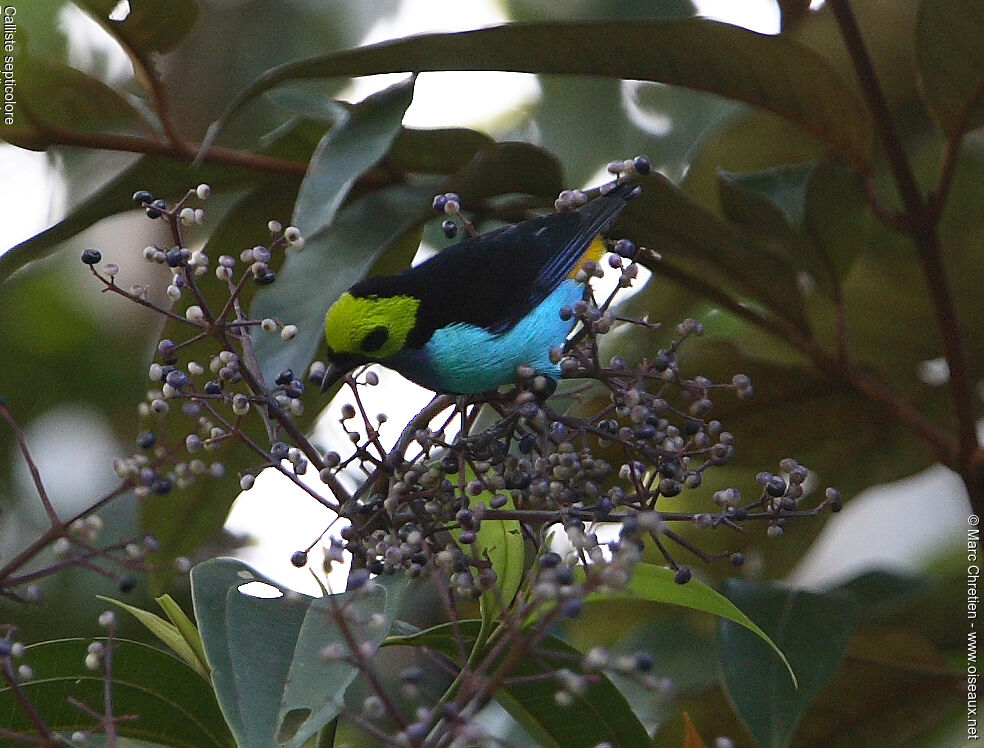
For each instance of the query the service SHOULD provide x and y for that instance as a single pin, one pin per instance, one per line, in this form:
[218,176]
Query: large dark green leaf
[600,714]
[346,152]
[165,177]
[654,583]
[812,629]
[172,704]
[950,54]
[264,653]
[689,235]
[52,97]
[148,26]
[773,72]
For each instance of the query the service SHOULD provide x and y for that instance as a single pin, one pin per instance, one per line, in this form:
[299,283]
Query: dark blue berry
[439,202]
[299,559]
[775,487]
[5,645]
[603,508]
[146,440]
[643,431]
[156,208]
[683,575]
[527,442]
[572,608]
[213,388]
[279,450]
[608,426]
[358,578]
[161,486]
[177,379]
[565,575]
[450,228]
[643,662]
[174,258]
[737,559]
[284,377]
[625,248]
[91,256]
[549,560]
[642,165]
[127,583]
[266,279]
[140,197]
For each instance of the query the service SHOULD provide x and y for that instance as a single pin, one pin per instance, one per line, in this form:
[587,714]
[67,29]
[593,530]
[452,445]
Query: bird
[464,320]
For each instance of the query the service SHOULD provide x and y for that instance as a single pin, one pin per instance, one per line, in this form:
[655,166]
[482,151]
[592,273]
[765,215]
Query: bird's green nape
[372,326]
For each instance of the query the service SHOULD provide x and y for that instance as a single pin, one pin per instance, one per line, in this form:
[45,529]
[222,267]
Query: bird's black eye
[374,340]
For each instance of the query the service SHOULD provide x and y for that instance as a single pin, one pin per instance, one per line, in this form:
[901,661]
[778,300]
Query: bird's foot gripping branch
[512,509]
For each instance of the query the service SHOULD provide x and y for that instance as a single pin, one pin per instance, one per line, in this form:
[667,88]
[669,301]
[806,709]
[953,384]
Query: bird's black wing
[495,279]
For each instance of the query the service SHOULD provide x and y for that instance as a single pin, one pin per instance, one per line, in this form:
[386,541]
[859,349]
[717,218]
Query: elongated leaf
[349,150]
[334,259]
[599,715]
[656,584]
[502,540]
[950,55]
[265,652]
[688,235]
[814,630]
[172,704]
[147,26]
[165,631]
[773,72]
[52,96]
[186,626]
[165,177]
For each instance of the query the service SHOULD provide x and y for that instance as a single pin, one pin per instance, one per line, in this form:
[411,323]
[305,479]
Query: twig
[922,224]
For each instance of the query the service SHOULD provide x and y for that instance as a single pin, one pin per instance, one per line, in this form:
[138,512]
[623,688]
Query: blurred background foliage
[756,205]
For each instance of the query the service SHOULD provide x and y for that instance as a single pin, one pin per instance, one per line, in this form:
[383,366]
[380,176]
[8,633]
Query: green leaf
[172,704]
[599,715]
[773,72]
[813,629]
[186,626]
[816,214]
[346,152]
[838,220]
[688,235]
[656,584]
[165,177]
[334,259]
[265,652]
[52,97]
[148,26]
[502,541]
[950,56]
[168,633]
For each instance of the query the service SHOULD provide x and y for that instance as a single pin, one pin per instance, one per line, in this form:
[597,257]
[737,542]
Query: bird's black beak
[339,364]
[333,373]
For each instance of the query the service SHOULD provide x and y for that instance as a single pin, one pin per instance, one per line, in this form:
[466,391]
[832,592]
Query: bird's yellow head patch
[372,326]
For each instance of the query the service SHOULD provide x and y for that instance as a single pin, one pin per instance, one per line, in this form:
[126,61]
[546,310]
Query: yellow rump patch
[596,250]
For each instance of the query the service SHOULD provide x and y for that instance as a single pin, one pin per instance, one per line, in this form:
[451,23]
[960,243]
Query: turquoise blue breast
[466,359]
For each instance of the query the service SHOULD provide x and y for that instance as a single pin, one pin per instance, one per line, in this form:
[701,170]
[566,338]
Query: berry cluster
[587,486]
